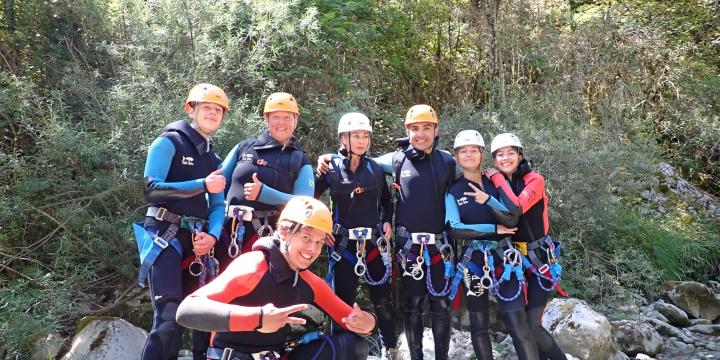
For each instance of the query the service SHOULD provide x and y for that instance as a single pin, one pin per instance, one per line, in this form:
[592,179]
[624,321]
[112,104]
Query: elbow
[155,192]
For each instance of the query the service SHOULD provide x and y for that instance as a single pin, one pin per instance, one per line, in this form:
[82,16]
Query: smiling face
[358,141]
[422,135]
[304,246]
[507,159]
[207,117]
[281,124]
[469,156]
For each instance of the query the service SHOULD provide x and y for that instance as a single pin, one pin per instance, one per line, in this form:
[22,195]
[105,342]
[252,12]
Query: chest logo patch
[346,181]
[247,157]
[188,160]
[462,201]
[405,173]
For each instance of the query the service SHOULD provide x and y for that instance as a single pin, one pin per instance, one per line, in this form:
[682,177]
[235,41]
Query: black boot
[517,324]
[440,311]
[479,327]
[548,349]
[385,311]
[414,326]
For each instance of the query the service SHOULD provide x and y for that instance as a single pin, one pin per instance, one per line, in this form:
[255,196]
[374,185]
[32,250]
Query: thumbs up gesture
[215,182]
[252,190]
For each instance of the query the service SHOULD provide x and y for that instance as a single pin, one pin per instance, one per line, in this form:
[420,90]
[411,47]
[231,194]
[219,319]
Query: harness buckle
[360,233]
[337,228]
[227,354]
[160,242]
[245,213]
[160,214]
[423,237]
[336,256]
[544,269]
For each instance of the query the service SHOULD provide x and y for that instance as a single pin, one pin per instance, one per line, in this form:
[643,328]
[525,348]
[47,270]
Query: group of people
[226,245]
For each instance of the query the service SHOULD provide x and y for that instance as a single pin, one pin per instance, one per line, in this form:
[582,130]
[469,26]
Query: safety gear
[308,211]
[468,137]
[421,113]
[207,93]
[503,140]
[281,101]
[354,121]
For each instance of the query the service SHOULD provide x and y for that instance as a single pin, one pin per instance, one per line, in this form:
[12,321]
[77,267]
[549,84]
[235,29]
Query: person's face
[507,159]
[281,124]
[357,141]
[207,117]
[422,135]
[304,247]
[469,156]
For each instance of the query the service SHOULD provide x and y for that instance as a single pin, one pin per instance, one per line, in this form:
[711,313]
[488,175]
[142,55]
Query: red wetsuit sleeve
[326,299]
[531,194]
[239,279]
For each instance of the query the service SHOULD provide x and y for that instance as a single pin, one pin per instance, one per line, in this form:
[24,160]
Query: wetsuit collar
[265,141]
[346,158]
[523,168]
[410,152]
[279,268]
[199,142]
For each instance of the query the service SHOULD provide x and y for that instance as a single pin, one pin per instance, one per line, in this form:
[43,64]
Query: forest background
[600,92]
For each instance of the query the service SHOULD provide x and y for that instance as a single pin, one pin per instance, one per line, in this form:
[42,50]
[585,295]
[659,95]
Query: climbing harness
[238,214]
[205,267]
[150,244]
[415,270]
[362,235]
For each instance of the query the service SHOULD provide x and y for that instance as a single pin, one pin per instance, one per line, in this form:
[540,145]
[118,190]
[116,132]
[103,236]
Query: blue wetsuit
[285,171]
[360,199]
[177,163]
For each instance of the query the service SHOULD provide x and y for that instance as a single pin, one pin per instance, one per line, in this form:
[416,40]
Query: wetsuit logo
[462,201]
[405,173]
[247,157]
[188,160]
[346,181]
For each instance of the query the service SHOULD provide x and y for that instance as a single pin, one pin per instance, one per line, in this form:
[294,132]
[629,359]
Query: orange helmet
[207,93]
[308,211]
[421,113]
[281,101]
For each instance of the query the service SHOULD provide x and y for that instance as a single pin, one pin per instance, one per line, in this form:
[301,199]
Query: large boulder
[706,329]
[579,330]
[107,339]
[695,299]
[635,337]
[47,346]
[674,315]
[460,346]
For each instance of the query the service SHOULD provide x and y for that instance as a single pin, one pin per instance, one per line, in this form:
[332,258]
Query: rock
[672,313]
[47,347]
[696,299]
[665,329]
[619,355]
[700,322]
[460,346]
[570,357]
[313,315]
[578,329]
[706,329]
[656,315]
[714,285]
[636,337]
[107,339]
[643,357]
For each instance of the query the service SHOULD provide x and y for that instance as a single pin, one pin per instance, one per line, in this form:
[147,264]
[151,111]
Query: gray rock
[665,329]
[642,357]
[700,322]
[714,285]
[108,339]
[674,314]
[47,347]
[656,315]
[706,329]
[696,299]
[635,337]
[619,355]
[579,330]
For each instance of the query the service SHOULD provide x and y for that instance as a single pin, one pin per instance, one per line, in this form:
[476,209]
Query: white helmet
[503,140]
[468,137]
[354,121]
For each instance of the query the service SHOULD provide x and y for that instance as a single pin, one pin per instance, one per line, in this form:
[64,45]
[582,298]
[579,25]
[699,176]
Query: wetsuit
[422,180]
[360,199]
[177,163]
[253,280]
[285,171]
[528,188]
[475,232]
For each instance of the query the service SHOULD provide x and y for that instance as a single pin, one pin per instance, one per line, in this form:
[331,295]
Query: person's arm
[304,185]
[209,308]
[385,162]
[531,194]
[228,166]
[157,166]
[385,200]
[452,217]
[321,184]
[332,305]
[216,216]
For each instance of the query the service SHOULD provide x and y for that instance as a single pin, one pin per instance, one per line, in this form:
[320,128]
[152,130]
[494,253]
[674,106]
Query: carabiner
[359,268]
[447,252]
[265,228]
[197,263]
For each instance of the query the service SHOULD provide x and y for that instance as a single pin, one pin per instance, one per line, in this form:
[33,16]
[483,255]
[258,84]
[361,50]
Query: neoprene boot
[516,322]
[440,311]
[479,327]
[414,326]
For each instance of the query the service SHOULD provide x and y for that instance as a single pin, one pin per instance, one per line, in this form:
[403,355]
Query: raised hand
[480,196]
[361,322]
[215,182]
[273,318]
[252,190]
[323,164]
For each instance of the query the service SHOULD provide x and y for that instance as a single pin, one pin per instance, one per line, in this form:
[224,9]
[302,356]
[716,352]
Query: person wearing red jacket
[526,189]
[250,304]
